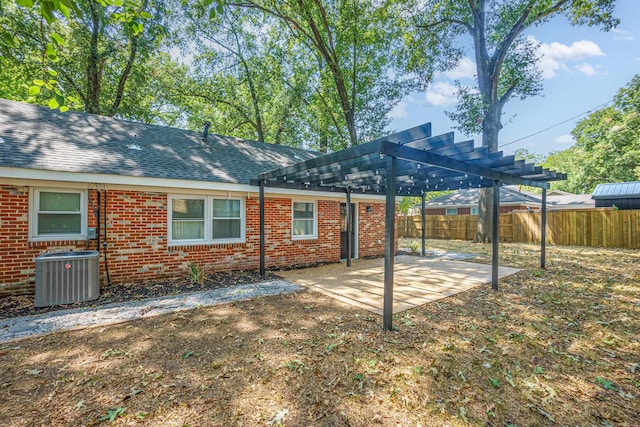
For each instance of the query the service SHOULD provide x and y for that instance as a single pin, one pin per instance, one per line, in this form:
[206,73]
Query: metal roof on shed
[617,190]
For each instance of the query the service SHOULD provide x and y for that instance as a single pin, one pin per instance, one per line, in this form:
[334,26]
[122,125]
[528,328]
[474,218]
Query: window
[304,220]
[202,219]
[227,222]
[187,221]
[57,215]
[474,211]
[452,211]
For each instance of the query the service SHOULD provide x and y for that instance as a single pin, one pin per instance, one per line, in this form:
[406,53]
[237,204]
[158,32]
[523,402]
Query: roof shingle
[35,137]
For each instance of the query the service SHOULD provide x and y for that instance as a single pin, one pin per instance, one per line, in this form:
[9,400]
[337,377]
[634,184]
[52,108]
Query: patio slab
[417,281]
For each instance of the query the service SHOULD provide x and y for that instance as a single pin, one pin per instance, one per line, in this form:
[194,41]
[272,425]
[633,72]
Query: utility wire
[556,125]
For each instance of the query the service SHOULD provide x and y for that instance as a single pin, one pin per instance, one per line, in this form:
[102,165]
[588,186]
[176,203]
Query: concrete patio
[417,280]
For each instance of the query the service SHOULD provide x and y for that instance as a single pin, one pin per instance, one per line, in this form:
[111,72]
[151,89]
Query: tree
[240,80]
[505,59]
[69,75]
[350,50]
[607,147]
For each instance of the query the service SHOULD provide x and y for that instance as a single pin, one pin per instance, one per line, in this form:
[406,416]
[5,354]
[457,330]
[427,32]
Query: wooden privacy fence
[587,227]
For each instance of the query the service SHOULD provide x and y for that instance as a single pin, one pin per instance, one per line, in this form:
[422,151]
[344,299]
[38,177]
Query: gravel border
[63,320]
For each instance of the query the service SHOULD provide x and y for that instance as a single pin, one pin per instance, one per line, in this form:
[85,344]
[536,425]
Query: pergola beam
[454,164]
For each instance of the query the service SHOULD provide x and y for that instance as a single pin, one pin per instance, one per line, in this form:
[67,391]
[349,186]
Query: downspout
[104,244]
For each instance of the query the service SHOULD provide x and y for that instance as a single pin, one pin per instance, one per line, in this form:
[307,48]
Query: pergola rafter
[407,163]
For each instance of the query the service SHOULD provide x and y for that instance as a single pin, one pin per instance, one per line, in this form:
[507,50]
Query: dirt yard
[551,347]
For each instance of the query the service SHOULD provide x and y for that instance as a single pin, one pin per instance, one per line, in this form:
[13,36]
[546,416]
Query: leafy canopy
[607,147]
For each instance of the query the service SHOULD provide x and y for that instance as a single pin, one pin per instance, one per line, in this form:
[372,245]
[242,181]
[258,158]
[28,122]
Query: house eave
[21,176]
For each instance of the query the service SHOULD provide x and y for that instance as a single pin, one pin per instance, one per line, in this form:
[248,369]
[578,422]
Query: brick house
[156,198]
[512,198]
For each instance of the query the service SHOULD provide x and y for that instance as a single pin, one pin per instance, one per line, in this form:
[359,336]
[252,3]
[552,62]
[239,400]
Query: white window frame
[313,235]
[208,221]
[446,211]
[473,211]
[34,210]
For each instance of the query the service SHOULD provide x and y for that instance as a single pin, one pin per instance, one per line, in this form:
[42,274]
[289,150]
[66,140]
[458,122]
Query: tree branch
[447,21]
[125,75]
[506,96]
[517,29]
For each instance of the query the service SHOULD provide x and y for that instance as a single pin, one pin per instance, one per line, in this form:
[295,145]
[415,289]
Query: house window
[474,211]
[202,219]
[187,219]
[451,211]
[304,220]
[58,215]
[227,220]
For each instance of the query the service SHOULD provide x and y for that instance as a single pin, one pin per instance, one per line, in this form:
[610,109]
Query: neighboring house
[622,195]
[157,198]
[465,202]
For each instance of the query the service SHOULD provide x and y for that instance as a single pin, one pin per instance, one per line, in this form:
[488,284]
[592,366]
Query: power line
[556,125]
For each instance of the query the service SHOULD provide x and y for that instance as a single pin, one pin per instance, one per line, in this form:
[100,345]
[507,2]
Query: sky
[582,67]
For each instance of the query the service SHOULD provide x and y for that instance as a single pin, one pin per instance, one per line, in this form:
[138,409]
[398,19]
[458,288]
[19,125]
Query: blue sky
[583,68]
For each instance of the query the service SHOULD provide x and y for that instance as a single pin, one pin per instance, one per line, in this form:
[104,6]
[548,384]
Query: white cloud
[564,139]
[623,35]
[466,69]
[554,56]
[399,111]
[586,69]
[441,94]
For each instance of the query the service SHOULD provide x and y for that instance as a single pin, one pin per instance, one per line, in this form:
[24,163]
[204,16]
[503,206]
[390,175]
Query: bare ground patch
[551,347]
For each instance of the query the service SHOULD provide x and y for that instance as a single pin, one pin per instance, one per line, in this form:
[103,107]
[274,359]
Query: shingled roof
[35,137]
[470,197]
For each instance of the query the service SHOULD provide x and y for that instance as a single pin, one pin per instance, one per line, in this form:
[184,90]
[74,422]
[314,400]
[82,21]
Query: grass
[552,347]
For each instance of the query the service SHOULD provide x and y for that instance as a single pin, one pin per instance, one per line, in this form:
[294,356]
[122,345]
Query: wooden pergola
[408,163]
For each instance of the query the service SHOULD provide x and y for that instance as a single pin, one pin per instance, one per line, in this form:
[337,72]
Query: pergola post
[349,241]
[424,223]
[495,234]
[389,243]
[543,229]
[262,255]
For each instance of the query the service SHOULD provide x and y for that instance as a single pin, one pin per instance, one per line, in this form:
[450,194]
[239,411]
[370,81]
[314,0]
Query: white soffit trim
[35,177]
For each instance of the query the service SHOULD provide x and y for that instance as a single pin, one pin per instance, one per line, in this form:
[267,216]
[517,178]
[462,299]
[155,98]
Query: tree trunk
[490,129]
[485,223]
[93,75]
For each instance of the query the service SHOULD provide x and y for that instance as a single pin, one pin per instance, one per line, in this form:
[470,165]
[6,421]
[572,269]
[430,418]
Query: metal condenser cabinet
[67,277]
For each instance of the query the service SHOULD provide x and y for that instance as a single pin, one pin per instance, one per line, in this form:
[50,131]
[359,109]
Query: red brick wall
[137,239]
[435,211]
[371,229]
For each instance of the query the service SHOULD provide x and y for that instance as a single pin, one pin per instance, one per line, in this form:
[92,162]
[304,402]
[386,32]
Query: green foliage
[415,246]
[606,384]
[111,352]
[109,38]
[197,274]
[409,202]
[297,365]
[316,74]
[112,414]
[607,146]
[529,156]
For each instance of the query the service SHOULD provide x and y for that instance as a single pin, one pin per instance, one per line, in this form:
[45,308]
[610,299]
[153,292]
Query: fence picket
[587,227]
